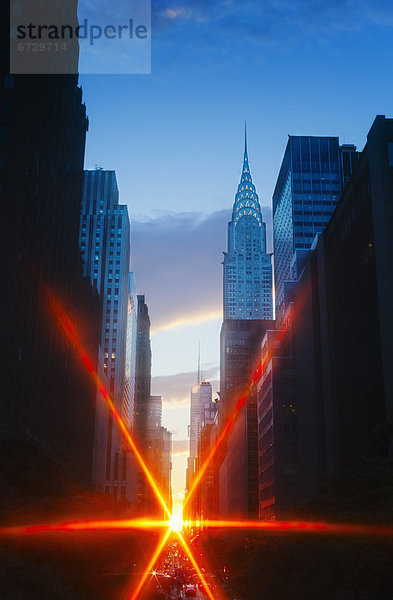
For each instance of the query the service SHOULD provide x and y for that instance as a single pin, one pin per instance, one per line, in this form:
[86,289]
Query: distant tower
[142,394]
[143,369]
[247,266]
[158,455]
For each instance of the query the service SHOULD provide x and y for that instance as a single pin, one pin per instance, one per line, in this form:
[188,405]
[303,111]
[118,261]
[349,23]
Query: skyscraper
[167,466]
[131,489]
[131,349]
[311,178]
[248,312]
[105,247]
[325,395]
[154,413]
[47,395]
[143,369]
[356,316]
[247,266]
[158,455]
[239,357]
[201,396]
[142,395]
[202,412]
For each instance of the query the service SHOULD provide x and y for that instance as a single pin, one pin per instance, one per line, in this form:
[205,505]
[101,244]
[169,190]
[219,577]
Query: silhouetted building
[48,393]
[239,358]
[201,395]
[130,491]
[142,391]
[25,18]
[202,413]
[325,395]
[206,493]
[278,461]
[354,265]
[143,368]
[158,454]
[167,467]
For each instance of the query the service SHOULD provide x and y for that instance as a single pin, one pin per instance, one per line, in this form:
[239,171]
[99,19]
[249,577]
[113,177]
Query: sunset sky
[175,140]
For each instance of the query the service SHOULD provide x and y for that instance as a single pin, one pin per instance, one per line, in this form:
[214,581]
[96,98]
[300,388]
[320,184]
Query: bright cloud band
[188,321]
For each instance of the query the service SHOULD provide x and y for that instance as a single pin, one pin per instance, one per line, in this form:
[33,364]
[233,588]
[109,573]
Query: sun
[176,523]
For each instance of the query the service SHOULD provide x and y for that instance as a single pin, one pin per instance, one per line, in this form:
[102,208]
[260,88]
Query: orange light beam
[195,565]
[303,527]
[142,524]
[215,448]
[92,525]
[231,419]
[149,567]
[300,302]
[72,335]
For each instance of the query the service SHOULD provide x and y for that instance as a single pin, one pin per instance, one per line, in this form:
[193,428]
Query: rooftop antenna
[245,136]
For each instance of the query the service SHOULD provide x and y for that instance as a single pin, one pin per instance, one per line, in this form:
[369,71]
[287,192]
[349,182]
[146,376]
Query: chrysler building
[247,266]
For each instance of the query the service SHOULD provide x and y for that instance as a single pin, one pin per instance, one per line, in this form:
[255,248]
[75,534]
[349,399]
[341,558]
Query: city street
[174,578]
[199,594]
[197,317]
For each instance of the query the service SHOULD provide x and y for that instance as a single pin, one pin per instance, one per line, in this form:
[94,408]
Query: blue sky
[175,139]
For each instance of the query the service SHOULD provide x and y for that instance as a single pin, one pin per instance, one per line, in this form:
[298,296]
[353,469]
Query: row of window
[315,213]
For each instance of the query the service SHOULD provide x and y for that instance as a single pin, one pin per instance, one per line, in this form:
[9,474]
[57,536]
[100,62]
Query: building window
[9,81]
[390,154]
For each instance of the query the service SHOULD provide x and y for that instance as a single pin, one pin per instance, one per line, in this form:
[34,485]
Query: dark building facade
[326,390]
[158,455]
[48,393]
[142,394]
[240,343]
[277,428]
[290,439]
[143,369]
[203,413]
[355,267]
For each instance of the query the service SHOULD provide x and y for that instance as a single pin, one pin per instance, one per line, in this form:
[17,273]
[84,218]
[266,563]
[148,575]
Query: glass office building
[311,178]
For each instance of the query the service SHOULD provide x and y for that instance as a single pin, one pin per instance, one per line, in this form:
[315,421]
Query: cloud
[270,21]
[177,13]
[255,21]
[189,321]
[176,260]
[175,389]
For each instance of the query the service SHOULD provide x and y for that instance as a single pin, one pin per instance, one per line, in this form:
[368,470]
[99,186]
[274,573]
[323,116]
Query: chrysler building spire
[247,266]
[246,199]
[245,139]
